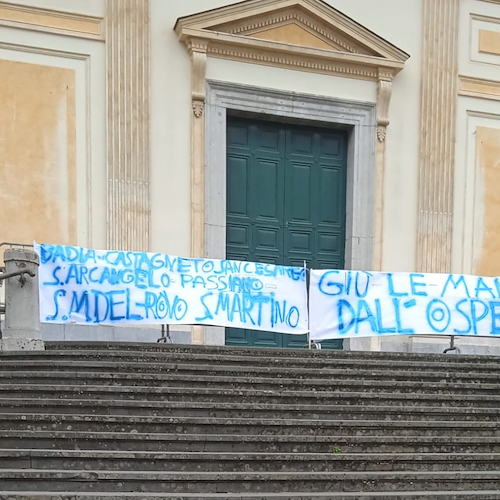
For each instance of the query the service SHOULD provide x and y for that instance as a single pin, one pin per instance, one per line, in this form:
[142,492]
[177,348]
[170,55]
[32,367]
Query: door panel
[238,204]
[266,339]
[238,337]
[285,204]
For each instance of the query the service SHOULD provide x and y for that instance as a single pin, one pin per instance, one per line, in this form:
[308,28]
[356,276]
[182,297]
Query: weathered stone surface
[103,422]
[428,495]
[232,482]
[247,410]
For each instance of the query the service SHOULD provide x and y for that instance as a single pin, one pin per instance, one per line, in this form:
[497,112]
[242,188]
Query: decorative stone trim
[384,91]
[293,61]
[198,51]
[251,11]
[224,31]
[359,118]
[248,49]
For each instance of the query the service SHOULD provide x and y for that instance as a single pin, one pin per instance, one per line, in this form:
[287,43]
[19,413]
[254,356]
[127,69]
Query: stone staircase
[92,421]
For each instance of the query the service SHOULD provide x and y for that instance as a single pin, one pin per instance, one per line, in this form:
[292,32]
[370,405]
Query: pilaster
[437,135]
[384,92]
[128,203]
[198,52]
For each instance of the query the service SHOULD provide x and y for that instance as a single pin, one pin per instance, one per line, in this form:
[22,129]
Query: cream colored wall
[52,123]
[170,131]
[476,240]
[55,48]
[400,22]
[397,21]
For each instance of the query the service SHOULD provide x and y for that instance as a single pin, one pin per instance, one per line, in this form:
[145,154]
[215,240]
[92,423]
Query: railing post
[22,309]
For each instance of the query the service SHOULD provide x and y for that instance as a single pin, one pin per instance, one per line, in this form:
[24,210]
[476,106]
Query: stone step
[140,368]
[244,426]
[246,410]
[227,443]
[151,421]
[401,495]
[150,347]
[288,358]
[257,482]
[32,377]
[149,367]
[219,395]
[245,462]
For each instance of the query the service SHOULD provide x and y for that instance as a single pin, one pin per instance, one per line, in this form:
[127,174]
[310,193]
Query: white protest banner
[345,304]
[78,285]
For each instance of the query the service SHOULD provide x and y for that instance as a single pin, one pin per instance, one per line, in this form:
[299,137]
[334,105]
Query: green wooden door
[286,189]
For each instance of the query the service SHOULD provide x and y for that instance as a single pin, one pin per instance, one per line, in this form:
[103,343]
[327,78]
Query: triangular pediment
[297,26]
[309,34]
[295,34]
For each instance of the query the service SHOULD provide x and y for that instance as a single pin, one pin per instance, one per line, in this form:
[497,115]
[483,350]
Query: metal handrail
[11,244]
[21,274]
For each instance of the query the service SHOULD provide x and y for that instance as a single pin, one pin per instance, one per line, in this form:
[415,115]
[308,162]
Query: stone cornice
[278,54]
[252,9]
[231,32]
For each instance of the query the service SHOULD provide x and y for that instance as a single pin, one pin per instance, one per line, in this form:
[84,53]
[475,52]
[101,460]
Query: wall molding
[35,49]
[481,88]
[128,66]
[51,21]
[437,135]
[483,18]
[482,28]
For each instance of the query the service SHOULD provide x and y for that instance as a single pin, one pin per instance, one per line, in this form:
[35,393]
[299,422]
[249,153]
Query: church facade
[344,134]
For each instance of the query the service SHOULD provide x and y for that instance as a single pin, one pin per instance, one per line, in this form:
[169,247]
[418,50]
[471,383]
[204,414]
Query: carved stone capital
[384,91]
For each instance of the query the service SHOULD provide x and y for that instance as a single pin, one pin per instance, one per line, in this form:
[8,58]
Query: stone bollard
[22,307]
